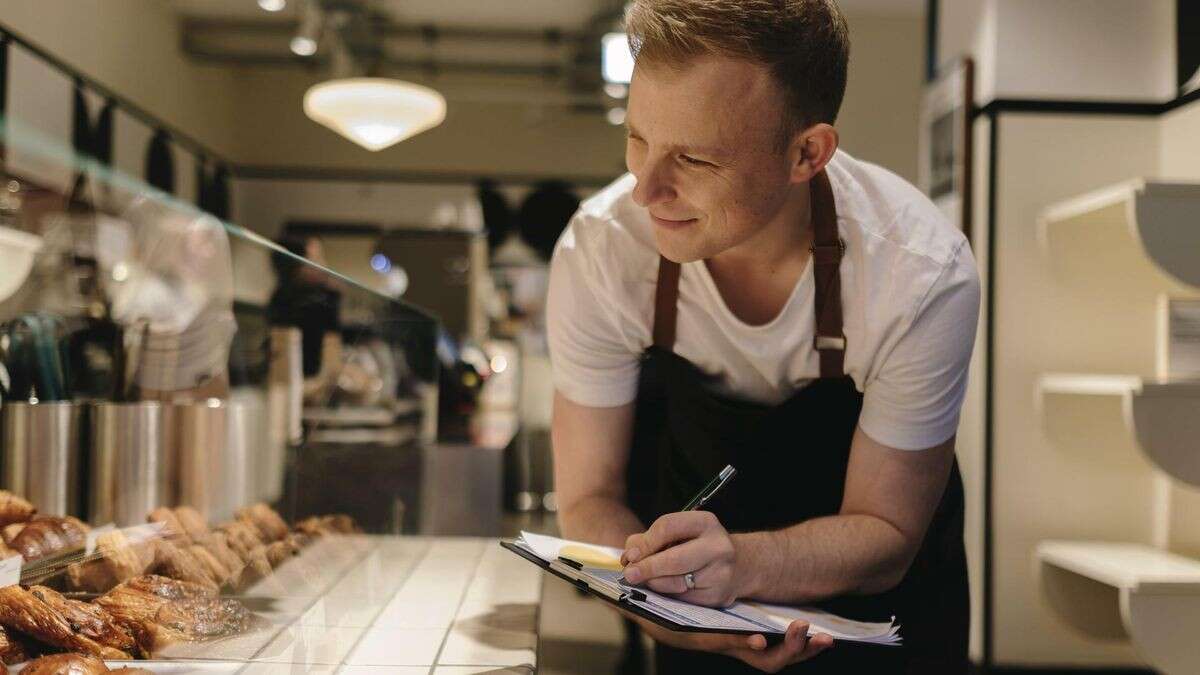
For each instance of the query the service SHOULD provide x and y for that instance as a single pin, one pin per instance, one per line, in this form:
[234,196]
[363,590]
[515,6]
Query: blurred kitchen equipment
[17,250]
[448,275]
[35,358]
[42,454]
[131,461]
[215,444]
[285,400]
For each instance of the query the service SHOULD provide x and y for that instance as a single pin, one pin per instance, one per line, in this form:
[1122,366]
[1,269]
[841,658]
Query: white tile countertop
[385,604]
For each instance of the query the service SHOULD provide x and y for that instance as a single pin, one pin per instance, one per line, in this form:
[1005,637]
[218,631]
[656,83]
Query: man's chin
[677,251]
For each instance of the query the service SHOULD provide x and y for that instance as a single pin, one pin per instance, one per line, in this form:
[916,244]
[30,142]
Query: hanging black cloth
[544,215]
[497,214]
[95,141]
[791,460]
[160,166]
[212,188]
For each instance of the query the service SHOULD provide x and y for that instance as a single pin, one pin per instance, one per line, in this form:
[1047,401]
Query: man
[751,295]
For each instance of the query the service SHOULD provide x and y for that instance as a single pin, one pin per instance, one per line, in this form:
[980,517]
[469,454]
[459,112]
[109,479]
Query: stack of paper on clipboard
[599,567]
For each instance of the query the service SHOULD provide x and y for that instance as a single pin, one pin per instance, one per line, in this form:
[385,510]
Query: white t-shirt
[910,296]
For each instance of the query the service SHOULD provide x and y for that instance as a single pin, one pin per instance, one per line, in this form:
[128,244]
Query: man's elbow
[890,569]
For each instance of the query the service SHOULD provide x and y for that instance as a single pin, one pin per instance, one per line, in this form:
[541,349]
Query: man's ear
[811,150]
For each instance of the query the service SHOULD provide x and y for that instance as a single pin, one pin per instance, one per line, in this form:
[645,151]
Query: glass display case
[208,441]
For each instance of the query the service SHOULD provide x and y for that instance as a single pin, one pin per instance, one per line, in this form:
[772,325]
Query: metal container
[216,465]
[42,454]
[132,459]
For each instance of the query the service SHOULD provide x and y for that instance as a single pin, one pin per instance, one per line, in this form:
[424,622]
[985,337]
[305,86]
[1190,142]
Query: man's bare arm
[867,547]
[889,499]
[591,449]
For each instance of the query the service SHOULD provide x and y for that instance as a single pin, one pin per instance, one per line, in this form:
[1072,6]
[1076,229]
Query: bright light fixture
[616,116]
[272,5]
[303,46]
[616,61]
[374,112]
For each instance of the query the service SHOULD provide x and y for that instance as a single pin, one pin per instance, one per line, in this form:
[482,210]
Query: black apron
[791,461]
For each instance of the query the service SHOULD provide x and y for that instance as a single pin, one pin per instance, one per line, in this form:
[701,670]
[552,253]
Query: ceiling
[506,14]
[541,41]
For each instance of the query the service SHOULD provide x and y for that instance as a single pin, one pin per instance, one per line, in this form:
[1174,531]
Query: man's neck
[757,277]
[781,246]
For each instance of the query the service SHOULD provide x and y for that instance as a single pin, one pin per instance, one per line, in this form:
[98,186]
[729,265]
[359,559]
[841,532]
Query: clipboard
[565,569]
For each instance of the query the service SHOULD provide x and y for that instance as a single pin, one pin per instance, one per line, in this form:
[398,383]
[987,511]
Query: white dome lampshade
[374,112]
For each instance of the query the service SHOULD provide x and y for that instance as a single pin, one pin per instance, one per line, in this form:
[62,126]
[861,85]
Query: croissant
[119,560]
[162,611]
[73,664]
[192,522]
[12,649]
[9,532]
[264,520]
[172,528]
[45,536]
[242,539]
[179,563]
[320,526]
[87,619]
[216,570]
[23,611]
[13,509]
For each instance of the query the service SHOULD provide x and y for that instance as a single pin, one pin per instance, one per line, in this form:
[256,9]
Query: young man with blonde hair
[749,294]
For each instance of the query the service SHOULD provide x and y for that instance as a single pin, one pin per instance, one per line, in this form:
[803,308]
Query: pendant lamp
[374,112]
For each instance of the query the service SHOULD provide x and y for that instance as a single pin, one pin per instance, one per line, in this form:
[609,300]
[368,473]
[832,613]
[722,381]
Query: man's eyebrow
[712,152]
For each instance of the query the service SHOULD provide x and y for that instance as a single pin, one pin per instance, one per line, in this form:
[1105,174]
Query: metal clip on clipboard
[572,570]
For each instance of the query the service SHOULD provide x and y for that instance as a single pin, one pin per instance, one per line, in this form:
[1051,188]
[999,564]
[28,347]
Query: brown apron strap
[666,294]
[827,250]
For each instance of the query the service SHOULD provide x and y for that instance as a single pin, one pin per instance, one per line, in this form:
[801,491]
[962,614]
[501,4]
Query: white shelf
[1124,566]
[1161,418]
[1112,590]
[1156,218]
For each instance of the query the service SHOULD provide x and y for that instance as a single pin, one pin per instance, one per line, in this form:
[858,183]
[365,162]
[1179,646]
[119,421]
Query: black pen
[706,493]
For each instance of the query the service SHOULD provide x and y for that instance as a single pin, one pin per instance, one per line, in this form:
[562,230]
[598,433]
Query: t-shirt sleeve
[915,400]
[592,362]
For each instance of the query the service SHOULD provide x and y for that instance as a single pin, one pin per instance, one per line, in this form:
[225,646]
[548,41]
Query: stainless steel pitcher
[42,454]
[132,461]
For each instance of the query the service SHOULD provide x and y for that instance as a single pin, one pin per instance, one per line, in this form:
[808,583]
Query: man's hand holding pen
[689,555]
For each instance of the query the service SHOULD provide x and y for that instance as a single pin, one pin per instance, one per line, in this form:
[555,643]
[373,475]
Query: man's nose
[653,184]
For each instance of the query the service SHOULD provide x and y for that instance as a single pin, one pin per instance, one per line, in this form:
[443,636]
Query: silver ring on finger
[689,580]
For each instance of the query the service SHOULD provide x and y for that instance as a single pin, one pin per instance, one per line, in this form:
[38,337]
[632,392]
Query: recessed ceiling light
[272,5]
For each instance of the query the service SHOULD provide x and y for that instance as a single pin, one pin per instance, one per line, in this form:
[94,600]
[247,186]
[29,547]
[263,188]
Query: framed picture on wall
[944,166]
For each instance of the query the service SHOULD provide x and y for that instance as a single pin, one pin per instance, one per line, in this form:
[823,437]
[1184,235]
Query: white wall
[1064,49]
[132,47]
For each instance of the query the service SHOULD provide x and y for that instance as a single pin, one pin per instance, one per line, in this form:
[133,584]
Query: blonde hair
[804,43]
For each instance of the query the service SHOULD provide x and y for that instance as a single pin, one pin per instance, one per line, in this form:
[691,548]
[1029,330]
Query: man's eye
[693,161]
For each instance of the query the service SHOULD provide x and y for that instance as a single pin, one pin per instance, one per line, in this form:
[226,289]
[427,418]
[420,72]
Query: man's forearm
[821,558]
[599,520]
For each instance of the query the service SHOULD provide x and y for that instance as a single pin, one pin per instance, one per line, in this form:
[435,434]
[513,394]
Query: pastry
[12,648]
[265,520]
[65,664]
[23,611]
[193,522]
[178,562]
[160,611]
[45,536]
[88,619]
[172,528]
[13,509]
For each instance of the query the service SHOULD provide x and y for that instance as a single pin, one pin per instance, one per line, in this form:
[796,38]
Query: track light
[305,41]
